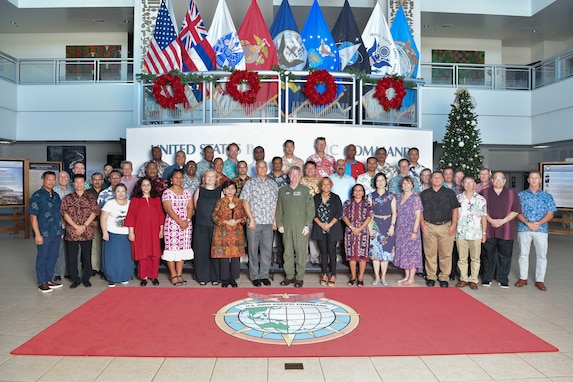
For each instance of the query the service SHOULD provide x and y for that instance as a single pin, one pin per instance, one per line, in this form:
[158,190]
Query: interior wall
[492,48]
[53,45]
[96,152]
[511,55]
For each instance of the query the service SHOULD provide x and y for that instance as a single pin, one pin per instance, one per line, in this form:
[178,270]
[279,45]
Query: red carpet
[181,322]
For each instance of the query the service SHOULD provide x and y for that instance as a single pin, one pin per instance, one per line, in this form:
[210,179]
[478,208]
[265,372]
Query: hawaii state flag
[382,52]
[224,39]
[197,55]
[259,49]
[290,50]
[163,53]
[408,52]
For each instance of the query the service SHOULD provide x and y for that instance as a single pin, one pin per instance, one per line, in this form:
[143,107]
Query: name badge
[297,193]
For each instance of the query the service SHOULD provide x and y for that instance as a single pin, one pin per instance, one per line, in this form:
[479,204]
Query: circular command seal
[284,319]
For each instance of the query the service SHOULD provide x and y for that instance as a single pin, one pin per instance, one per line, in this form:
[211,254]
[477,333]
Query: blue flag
[290,49]
[347,37]
[321,47]
[408,52]
[409,55]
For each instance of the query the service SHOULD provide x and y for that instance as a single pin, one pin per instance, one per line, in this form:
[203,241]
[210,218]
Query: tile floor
[24,312]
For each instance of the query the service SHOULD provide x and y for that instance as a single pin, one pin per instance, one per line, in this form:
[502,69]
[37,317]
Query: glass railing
[50,71]
[8,67]
[495,77]
[208,102]
[555,69]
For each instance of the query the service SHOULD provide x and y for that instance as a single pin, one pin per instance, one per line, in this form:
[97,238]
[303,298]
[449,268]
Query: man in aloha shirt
[471,232]
[537,208]
[324,162]
[388,169]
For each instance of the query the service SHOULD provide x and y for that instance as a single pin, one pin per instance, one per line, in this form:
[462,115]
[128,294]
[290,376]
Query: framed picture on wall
[68,155]
[35,171]
[12,182]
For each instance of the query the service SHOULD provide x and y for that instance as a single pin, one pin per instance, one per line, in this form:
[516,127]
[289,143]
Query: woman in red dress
[228,234]
[145,219]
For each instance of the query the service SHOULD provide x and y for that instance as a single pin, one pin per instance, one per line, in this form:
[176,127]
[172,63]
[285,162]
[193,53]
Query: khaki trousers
[438,246]
[471,249]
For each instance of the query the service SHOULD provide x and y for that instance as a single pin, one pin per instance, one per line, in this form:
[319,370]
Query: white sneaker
[124,282]
[111,285]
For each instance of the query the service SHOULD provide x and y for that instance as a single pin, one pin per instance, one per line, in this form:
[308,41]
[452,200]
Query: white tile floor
[24,312]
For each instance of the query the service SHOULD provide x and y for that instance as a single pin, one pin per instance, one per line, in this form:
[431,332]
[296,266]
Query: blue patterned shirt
[230,169]
[46,207]
[534,207]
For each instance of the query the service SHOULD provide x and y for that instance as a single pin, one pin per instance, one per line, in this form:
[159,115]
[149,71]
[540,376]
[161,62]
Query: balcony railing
[209,103]
[59,71]
[500,77]
[495,77]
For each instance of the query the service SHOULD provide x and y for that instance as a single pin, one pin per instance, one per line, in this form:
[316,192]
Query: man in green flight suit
[295,211]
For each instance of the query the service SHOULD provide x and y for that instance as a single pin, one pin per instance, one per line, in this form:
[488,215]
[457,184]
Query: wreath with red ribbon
[169,91]
[320,77]
[382,87]
[240,77]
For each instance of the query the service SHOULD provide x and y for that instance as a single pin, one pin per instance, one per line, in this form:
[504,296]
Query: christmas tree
[461,143]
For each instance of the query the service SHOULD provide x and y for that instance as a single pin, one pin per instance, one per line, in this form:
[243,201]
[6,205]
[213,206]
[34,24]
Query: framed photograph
[35,171]
[67,155]
[12,182]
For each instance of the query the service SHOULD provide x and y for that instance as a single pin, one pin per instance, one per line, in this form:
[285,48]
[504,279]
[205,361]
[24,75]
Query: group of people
[216,211]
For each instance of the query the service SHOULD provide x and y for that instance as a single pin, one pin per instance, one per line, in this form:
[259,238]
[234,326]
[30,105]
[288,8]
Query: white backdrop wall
[192,139]
[552,112]
[8,110]
[511,55]
[503,116]
[74,112]
[53,45]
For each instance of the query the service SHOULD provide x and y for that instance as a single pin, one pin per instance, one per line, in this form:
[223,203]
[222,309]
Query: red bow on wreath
[169,91]
[382,88]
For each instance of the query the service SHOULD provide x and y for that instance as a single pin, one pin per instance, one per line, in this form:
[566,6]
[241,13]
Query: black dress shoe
[257,283]
[224,284]
[298,283]
[444,284]
[155,282]
[286,282]
[430,283]
[87,284]
[266,282]
[234,284]
[94,272]
[143,282]
[74,285]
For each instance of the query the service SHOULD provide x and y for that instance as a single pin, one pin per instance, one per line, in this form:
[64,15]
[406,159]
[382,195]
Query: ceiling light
[541,147]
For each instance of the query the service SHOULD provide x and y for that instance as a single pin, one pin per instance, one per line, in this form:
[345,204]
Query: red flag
[260,51]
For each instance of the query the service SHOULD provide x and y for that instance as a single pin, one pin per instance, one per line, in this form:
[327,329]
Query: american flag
[163,53]
[196,52]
